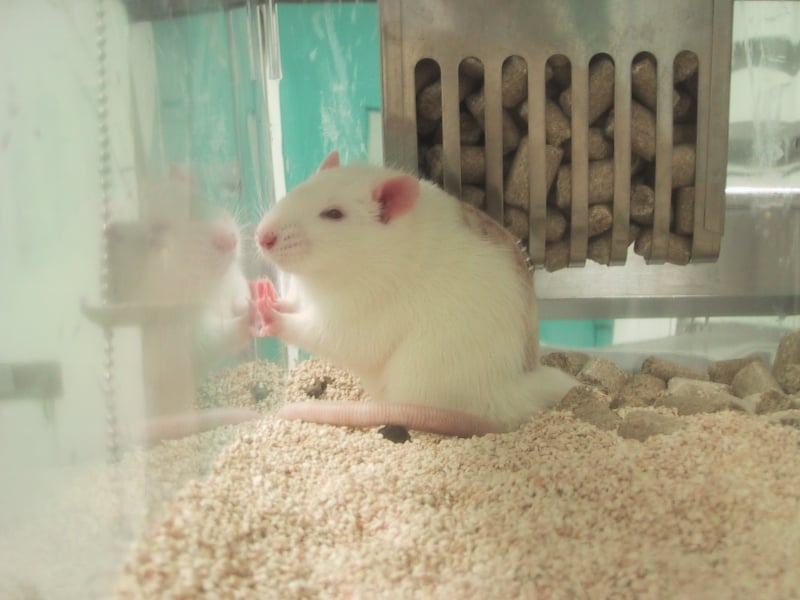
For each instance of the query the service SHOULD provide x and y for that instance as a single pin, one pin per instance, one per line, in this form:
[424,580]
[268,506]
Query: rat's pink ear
[396,196]
[331,161]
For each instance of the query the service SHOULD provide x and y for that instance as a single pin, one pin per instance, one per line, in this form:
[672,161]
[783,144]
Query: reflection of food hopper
[165,314]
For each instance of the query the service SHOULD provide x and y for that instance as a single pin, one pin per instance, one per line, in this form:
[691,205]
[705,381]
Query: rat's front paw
[264,314]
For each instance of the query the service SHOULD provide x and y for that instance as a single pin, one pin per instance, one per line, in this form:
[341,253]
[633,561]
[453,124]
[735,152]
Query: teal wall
[330,57]
[206,112]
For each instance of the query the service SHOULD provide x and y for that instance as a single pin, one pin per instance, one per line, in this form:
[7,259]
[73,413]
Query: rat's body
[427,300]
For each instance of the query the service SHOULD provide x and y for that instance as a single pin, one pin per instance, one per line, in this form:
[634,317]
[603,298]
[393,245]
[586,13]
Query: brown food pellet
[598,414]
[688,404]
[427,127]
[679,248]
[601,184]
[684,109]
[790,379]
[516,221]
[598,249]
[434,162]
[517,183]
[561,72]
[557,124]
[788,418]
[476,105]
[643,130]
[685,66]
[471,130]
[691,85]
[695,387]
[473,195]
[641,389]
[558,60]
[642,424]
[581,395]
[591,405]
[522,110]
[684,133]
[723,371]
[599,147]
[684,210]
[643,83]
[556,255]
[683,165]
[603,374]
[633,232]
[753,379]
[601,219]
[787,355]
[427,71]
[514,81]
[771,401]
[601,89]
[472,68]
[429,101]
[511,133]
[643,204]
[555,225]
[667,369]
[568,361]
[473,164]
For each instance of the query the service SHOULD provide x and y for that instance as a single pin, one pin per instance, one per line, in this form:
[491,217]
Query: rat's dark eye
[334,214]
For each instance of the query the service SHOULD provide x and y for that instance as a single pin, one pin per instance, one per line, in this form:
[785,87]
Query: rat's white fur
[424,309]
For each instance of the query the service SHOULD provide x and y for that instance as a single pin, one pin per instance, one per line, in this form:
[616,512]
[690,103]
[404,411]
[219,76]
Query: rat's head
[338,218]
[171,260]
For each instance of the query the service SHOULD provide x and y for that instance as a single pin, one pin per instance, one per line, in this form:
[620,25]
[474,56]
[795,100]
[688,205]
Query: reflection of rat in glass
[178,262]
[426,299]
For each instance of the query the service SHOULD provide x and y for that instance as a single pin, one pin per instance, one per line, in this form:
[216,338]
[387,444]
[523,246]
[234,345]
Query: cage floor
[558,509]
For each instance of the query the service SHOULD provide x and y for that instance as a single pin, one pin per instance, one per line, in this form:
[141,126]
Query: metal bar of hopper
[493,129]
[580,162]
[399,126]
[537,165]
[663,187]
[622,160]
[709,223]
[451,128]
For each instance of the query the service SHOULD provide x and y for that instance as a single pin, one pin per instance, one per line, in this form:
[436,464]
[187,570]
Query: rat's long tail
[373,414]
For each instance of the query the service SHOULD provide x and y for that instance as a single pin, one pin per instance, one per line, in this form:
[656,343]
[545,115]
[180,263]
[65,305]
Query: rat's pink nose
[267,239]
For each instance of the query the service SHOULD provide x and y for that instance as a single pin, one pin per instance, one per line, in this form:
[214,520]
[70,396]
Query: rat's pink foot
[262,312]
[263,289]
[373,414]
[267,321]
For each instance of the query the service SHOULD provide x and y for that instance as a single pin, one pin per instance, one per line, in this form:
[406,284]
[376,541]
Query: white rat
[424,298]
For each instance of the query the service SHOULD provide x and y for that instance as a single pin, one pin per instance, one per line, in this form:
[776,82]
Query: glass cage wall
[140,142]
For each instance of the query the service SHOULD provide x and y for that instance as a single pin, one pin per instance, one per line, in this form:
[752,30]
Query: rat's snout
[267,239]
